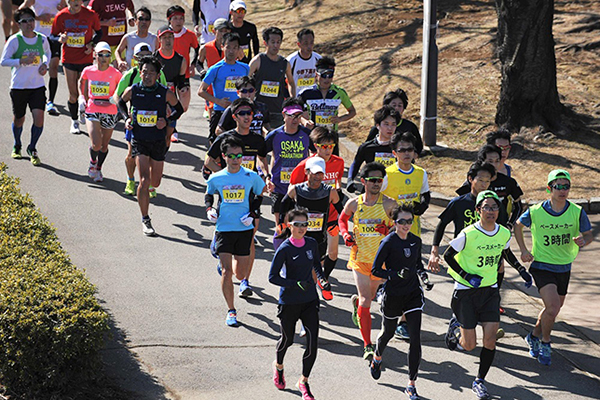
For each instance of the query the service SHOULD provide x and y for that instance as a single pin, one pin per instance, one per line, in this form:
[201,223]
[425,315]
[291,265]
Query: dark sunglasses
[103,55]
[245,91]
[234,156]
[507,147]
[294,116]
[405,149]
[299,224]
[556,186]
[374,179]
[243,113]
[402,221]
[143,19]
[326,75]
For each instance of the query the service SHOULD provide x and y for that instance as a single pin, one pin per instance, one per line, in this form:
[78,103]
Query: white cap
[315,165]
[236,5]
[102,46]
[141,47]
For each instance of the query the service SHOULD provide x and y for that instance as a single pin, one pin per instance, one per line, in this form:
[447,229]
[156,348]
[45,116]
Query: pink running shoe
[305,390]
[278,378]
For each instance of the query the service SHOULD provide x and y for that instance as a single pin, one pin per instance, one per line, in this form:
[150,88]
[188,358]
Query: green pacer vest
[25,49]
[481,255]
[553,235]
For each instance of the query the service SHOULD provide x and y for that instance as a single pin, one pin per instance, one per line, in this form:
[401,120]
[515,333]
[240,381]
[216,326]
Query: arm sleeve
[209,200]
[97,36]
[359,159]
[196,12]
[255,42]
[256,203]
[516,211]
[372,133]
[439,232]
[287,203]
[510,257]
[451,261]
[343,222]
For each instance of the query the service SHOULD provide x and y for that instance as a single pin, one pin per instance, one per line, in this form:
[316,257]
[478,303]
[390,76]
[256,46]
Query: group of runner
[263,105]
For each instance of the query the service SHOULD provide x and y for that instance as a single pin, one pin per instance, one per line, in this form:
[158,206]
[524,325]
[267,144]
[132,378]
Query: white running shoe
[98,177]
[92,171]
[75,127]
[82,112]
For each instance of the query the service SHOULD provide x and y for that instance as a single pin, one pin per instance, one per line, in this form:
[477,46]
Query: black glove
[304,285]
[425,279]
[403,273]
[419,208]
[351,188]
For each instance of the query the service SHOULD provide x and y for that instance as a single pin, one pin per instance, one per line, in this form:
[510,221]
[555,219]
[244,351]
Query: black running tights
[288,315]
[413,321]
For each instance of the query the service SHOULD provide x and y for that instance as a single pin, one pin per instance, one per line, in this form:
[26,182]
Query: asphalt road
[170,338]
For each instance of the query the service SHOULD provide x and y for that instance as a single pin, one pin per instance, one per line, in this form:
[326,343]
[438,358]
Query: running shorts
[75,67]
[155,149]
[237,243]
[107,121]
[395,306]
[21,98]
[543,278]
[362,268]
[476,305]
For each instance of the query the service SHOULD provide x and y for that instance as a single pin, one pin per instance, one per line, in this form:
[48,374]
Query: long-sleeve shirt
[292,264]
[25,76]
[398,254]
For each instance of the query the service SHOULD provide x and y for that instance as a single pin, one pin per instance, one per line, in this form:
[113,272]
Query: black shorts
[215,116]
[476,305]
[75,67]
[155,149]
[237,243]
[276,202]
[17,2]
[54,48]
[543,278]
[21,98]
[394,306]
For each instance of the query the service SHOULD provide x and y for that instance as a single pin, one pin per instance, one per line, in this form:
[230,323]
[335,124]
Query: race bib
[98,88]
[386,159]
[76,39]
[147,119]
[285,174]
[36,57]
[246,49]
[248,162]
[117,30]
[230,84]
[48,24]
[304,82]
[315,222]
[233,193]
[366,227]
[269,89]
[323,119]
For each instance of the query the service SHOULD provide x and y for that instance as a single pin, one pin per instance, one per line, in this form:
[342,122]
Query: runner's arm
[451,261]
[209,200]
[517,208]
[287,203]
[120,49]
[254,65]
[290,79]
[178,108]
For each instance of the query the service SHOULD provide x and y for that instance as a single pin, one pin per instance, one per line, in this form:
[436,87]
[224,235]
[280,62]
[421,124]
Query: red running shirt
[80,29]
[108,9]
[184,41]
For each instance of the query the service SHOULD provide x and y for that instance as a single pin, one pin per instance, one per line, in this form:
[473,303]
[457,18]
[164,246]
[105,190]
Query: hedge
[51,325]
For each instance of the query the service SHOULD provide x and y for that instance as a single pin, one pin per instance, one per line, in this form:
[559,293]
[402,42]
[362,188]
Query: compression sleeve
[256,203]
[286,205]
[177,111]
[509,256]
[97,36]
[439,233]
[343,223]
[449,257]
[516,212]
[209,200]
[123,108]
[196,12]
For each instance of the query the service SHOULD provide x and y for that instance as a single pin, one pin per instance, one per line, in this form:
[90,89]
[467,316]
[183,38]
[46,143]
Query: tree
[529,95]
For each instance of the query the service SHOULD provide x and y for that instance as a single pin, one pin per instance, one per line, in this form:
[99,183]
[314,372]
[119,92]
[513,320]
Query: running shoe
[98,177]
[130,187]
[302,332]
[327,295]
[231,319]
[369,351]
[502,311]
[278,378]
[500,333]
[147,227]
[16,153]
[354,300]
[219,270]
[453,334]
[402,331]
[152,192]
[51,109]
[245,289]
[480,390]
[534,345]
[175,137]
[545,357]
[375,368]
[82,112]
[33,157]
[379,296]
[75,127]
[92,170]
[305,390]
[411,392]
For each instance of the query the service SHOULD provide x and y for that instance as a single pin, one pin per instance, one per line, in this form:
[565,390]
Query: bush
[51,325]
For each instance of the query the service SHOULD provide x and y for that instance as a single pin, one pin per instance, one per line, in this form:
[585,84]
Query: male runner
[559,228]
[270,70]
[206,12]
[78,30]
[143,19]
[501,138]
[304,60]
[46,11]
[323,100]
[378,149]
[399,100]
[8,24]
[114,20]
[473,258]
[403,295]
[240,192]
[260,119]
[184,42]
[148,122]
[212,53]
[27,53]
[370,213]
[325,141]
[246,30]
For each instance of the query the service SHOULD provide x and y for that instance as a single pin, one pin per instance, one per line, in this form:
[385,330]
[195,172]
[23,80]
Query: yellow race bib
[285,174]
[248,162]
[117,30]
[36,57]
[76,39]
[269,89]
[323,119]
[230,84]
[233,193]
[304,82]
[246,49]
[315,222]
[47,24]
[99,89]
[386,159]
[147,119]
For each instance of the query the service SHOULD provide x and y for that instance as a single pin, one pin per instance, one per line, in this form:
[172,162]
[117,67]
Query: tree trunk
[528,96]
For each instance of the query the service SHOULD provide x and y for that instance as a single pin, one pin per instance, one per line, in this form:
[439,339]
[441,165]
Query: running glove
[348,239]
[351,188]
[304,285]
[403,273]
[425,279]
[382,229]
[212,215]
[474,280]
[247,219]
[525,275]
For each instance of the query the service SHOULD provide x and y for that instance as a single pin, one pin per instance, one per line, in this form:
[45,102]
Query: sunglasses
[294,116]
[556,186]
[374,179]
[299,224]
[143,19]
[507,147]
[405,149]
[490,209]
[245,91]
[26,20]
[326,75]
[103,55]
[240,11]
[325,146]
[402,221]
[234,156]
[243,113]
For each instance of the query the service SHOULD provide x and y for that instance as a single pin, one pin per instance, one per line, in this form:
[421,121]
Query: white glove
[212,215]
[247,220]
